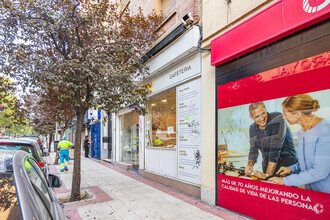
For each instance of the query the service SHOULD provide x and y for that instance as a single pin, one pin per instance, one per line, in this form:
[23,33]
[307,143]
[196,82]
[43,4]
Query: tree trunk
[57,156]
[50,142]
[75,193]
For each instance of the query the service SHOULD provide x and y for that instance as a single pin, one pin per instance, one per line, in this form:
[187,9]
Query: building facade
[165,145]
[264,51]
[99,131]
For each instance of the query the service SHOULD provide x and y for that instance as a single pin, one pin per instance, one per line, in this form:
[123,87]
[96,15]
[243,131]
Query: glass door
[129,138]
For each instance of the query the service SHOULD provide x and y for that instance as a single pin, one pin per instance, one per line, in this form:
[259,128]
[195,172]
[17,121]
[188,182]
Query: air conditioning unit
[187,19]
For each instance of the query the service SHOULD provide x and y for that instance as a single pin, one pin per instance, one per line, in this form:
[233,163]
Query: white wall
[162,161]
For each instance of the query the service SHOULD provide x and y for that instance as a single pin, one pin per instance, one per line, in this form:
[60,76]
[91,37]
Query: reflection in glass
[161,121]
[233,136]
[129,138]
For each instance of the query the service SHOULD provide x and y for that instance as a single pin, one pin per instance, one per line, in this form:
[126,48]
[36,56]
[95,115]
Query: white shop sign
[186,70]
[189,132]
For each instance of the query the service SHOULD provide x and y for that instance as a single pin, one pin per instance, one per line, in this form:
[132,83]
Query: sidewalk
[120,194]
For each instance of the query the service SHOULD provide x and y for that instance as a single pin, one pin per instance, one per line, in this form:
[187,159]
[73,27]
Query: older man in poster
[271,135]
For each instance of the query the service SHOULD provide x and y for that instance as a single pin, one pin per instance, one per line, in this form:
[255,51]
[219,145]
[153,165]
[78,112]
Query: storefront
[166,143]
[257,130]
[128,151]
[96,140]
[173,133]
[98,128]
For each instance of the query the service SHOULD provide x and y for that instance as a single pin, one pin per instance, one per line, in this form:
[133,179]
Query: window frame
[149,117]
[170,7]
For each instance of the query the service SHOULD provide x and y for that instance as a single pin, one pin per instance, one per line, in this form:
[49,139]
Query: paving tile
[128,215]
[97,211]
[190,217]
[119,206]
[173,212]
[205,215]
[215,218]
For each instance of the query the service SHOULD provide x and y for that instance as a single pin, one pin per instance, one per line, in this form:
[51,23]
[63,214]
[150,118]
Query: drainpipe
[200,49]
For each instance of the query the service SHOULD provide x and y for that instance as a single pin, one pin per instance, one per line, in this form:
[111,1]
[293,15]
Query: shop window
[129,138]
[161,121]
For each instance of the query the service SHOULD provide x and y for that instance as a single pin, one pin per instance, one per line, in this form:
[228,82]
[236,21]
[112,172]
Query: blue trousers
[64,154]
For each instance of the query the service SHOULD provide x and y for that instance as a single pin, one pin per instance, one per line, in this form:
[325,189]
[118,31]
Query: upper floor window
[123,4]
[167,7]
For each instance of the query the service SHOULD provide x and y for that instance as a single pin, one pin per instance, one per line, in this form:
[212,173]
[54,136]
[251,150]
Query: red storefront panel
[303,13]
[261,199]
[308,75]
[278,20]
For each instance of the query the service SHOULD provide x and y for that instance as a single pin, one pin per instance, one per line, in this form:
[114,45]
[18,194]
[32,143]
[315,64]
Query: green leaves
[13,113]
[85,52]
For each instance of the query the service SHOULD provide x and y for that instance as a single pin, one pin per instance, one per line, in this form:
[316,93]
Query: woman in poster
[313,146]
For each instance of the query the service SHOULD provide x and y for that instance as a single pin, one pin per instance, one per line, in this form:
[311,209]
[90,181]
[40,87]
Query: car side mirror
[54,181]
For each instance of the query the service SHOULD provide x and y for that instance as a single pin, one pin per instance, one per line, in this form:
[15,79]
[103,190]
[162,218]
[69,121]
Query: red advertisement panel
[263,200]
[274,142]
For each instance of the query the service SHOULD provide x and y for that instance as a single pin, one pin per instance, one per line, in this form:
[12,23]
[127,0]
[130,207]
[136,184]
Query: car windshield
[9,208]
[9,146]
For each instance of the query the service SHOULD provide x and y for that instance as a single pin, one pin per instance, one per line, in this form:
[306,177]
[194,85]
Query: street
[121,194]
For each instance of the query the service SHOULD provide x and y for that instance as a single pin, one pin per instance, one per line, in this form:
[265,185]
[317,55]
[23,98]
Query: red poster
[274,142]
[262,200]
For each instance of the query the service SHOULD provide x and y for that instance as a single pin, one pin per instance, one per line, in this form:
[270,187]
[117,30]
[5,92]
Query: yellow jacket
[158,142]
[64,145]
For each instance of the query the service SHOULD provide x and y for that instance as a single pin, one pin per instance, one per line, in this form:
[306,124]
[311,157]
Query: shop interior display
[161,121]
[129,140]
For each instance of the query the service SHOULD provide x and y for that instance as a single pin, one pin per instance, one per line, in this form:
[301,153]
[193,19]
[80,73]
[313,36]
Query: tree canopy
[88,50]
[13,119]
[85,46]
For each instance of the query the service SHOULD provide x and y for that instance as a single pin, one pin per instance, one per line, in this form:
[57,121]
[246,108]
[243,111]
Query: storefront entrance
[129,138]
[96,140]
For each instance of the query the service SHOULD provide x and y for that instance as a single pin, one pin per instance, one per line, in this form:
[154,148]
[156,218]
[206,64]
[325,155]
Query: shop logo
[311,6]
[318,208]
[181,71]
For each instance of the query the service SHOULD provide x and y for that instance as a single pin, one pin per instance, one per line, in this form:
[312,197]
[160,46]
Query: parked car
[24,191]
[44,151]
[28,145]
[35,137]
